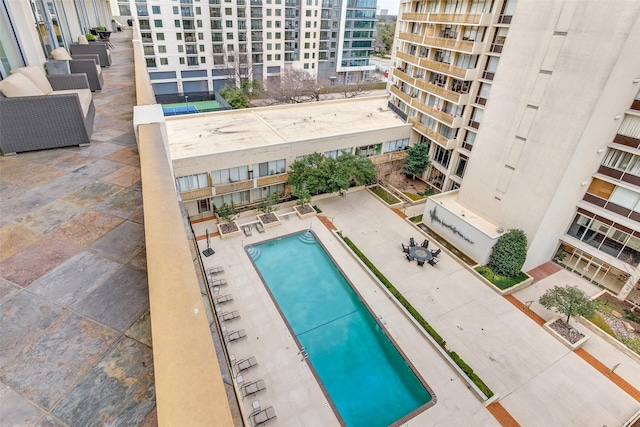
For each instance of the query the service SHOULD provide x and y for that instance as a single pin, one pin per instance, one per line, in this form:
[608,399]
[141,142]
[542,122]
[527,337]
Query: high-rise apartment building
[201,45]
[446,56]
[557,147]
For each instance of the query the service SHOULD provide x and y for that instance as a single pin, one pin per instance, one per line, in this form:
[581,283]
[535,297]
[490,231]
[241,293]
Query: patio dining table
[420,253]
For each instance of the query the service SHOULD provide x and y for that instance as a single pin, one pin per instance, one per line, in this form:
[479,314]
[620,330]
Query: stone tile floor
[75,338]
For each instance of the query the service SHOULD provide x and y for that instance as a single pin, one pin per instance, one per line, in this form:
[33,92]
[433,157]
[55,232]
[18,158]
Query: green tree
[569,300]
[385,32]
[319,174]
[302,194]
[417,159]
[269,202]
[227,212]
[509,253]
[235,97]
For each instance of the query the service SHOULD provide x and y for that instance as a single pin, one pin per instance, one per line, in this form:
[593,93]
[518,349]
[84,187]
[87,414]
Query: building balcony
[200,193]
[272,180]
[449,95]
[612,207]
[627,141]
[440,67]
[483,19]
[447,118]
[219,190]
[466,46]
[400,94]
[448,144]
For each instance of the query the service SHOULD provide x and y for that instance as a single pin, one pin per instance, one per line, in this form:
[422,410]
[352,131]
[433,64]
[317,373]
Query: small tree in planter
[227,213]
[303,207]
[267,206]
[509,253]
[569,300]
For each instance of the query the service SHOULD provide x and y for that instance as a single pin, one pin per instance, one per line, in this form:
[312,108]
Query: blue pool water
[177,111]
[363,373]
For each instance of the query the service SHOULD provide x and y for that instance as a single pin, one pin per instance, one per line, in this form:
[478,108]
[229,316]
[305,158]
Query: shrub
[509,253]
[90,37]
[602,324]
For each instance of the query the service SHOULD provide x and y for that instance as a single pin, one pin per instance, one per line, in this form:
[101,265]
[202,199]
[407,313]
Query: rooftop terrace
[75,337]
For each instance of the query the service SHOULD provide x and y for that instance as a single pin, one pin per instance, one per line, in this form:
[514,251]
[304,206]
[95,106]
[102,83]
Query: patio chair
[221,299]
[229,315]
[61,62]
[436,252]
[432,262]
[405,249]
[216,270]
[412,242]
[236,335]
[425,244]
[244,364]
[262,416]
[219,282]
[408,257]
[42,112]
[252,388]
[259,227]
[421,263]
[247,230]
[83,47]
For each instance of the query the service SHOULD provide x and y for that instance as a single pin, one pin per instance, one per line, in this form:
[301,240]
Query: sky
[391,5]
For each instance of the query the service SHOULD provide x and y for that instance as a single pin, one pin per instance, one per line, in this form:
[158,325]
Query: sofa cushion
[37,76]
[61,54]
[19,85]
[98,69]
[83,94]
[82,39]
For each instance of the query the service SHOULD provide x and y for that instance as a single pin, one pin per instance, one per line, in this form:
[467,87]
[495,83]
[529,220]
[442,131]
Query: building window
[264,192]
[180,48]
[336,153]
[442,156]
[231,175]
[192,182]
[159,36]
[164,61]
[462,165]
[155,10]
[178,36]
[229,36]
[397,145]
[182,61]
[229,24]
[157,23]
[177,23]
[176,10]
[269,168]
[151,62]
[368,150]
[239,198]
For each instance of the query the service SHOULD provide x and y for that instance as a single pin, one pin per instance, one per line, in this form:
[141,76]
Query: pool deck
[539,381]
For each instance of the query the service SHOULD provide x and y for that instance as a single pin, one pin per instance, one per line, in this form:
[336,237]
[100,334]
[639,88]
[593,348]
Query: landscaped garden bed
[565,333]
[618,319]
[384,195]
[499,281]
[229,229]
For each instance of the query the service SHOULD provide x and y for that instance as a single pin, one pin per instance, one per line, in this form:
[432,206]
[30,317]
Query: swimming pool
[360,369]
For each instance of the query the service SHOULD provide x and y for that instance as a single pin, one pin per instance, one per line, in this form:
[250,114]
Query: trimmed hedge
[418,317]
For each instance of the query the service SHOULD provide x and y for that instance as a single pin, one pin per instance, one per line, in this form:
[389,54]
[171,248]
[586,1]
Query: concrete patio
[539,381]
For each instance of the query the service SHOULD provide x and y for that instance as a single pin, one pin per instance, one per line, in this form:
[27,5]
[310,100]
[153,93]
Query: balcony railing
[400,94]
[200,193]
[231,188]
[445,142]
[436,113]
[429,87]
[466,46]
[627,140]
[441,67]
[459,18]
[272,179]
[398,111]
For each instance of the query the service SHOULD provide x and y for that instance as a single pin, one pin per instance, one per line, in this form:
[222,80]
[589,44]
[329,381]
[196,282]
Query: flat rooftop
[224,131]
[449,201]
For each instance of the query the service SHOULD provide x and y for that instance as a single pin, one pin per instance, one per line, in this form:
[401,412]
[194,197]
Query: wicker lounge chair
[94,48]
[247,230]
[216,270]
[229,315]
[260,227]
[221,299]
[63,63]
[57,111]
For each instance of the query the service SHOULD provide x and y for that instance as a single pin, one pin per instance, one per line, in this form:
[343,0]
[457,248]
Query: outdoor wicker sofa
[63,63]
[57,111]
[84,47]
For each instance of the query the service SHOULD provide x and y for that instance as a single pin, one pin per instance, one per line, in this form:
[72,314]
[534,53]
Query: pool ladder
[304,354]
